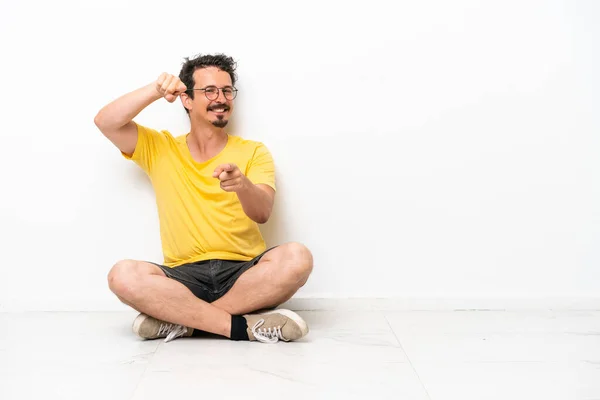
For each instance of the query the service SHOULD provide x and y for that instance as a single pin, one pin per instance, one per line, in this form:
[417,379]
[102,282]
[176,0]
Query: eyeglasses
[212,92]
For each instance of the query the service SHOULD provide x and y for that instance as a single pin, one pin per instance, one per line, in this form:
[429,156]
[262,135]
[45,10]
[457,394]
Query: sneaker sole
[294,317]
[139,320]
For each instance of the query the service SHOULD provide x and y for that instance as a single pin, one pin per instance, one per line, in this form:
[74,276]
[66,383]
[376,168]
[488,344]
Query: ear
[186,101]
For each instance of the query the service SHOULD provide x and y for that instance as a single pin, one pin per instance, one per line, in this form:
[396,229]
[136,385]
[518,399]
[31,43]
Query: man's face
[218,106]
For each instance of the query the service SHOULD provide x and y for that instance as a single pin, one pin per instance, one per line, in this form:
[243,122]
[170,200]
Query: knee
[122,278]
[299,262]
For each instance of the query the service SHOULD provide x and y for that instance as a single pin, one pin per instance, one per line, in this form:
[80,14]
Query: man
[212,190]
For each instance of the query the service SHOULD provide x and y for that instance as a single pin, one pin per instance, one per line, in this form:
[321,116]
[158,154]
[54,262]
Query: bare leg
[145,288]
[274,280]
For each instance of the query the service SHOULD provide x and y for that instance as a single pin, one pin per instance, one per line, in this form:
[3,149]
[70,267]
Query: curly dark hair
[221,61]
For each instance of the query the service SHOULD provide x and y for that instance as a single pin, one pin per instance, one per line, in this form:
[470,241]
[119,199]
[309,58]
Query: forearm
[256,202]
[124,109]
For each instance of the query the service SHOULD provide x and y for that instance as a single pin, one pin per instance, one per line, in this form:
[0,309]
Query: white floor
[348,355]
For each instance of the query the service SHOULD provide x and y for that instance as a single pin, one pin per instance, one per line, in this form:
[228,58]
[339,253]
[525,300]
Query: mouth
[218,109]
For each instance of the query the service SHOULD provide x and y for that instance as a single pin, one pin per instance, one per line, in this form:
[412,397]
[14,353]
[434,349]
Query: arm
[115,120]
[257,200]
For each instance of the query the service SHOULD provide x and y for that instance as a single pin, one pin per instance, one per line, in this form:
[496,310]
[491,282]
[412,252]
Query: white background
[423,149]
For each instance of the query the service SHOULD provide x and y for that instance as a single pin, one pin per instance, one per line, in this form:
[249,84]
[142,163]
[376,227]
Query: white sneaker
[148,327]
[273,326]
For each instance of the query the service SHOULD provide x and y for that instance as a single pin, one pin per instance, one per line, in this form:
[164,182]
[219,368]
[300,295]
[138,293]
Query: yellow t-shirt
[199,220]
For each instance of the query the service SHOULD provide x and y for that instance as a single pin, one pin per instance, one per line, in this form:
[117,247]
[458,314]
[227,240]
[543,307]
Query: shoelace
[266,335]
[172,331]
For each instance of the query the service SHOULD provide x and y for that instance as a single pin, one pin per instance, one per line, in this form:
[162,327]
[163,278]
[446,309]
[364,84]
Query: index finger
[221,168]
[218,171]
[226,167]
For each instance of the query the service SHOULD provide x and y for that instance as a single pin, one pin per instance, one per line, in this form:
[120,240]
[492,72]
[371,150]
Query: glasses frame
[219,89]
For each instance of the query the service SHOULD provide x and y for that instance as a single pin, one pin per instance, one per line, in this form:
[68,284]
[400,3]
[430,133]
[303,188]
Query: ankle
[239,327]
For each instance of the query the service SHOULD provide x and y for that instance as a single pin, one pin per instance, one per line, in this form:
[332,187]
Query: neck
[205,141]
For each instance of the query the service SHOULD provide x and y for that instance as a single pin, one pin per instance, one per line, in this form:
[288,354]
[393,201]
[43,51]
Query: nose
[221,96]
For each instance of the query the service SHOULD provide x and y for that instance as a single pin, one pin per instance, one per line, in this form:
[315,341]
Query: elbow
[262,219]
[98,121]
[101,122]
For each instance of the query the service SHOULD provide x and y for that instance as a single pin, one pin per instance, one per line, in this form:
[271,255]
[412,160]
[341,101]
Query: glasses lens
[229,93]
[211,92]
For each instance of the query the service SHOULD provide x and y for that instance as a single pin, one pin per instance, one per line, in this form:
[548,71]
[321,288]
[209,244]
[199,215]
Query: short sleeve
[148,147]
[261,169]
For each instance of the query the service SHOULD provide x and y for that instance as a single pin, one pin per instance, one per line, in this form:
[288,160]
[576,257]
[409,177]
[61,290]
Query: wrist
[153,92]
[246,186]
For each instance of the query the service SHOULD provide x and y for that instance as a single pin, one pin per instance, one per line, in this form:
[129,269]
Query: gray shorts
[210,279]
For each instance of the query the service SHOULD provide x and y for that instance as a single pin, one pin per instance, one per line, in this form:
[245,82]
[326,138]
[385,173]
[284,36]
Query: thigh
[132,269]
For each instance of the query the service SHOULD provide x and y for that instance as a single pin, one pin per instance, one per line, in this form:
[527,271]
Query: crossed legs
[274,280]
